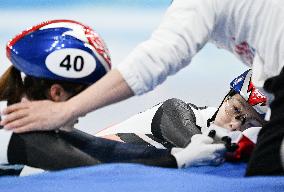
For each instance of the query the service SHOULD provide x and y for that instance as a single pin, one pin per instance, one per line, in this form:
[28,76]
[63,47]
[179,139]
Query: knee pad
[175,122]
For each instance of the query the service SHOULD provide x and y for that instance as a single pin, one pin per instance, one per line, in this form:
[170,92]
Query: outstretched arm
[47,115]
[185,29]
[110,89]
[201,151]
[54,151]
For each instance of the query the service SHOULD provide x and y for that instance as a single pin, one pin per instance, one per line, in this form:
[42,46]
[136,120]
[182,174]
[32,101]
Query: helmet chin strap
[23,76]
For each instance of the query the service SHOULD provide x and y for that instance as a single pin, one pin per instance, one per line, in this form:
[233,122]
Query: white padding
[139,123]
[30,171]
[252,133]
[5,137]
[3,105]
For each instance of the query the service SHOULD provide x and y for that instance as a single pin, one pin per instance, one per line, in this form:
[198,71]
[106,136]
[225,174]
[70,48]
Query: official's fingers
[14,107]
[18,123]
[26,128]
[16,115]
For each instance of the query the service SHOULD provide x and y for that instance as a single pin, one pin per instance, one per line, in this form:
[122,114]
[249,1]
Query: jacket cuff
[131,79]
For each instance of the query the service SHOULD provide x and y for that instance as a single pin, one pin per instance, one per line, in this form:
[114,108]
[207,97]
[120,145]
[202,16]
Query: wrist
[71,110]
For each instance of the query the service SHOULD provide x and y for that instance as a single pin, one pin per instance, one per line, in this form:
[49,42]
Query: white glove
[201,151]
[220,132]
[223,132]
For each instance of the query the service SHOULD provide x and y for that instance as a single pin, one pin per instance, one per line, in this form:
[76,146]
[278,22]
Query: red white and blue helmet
[243,85]
[60,50]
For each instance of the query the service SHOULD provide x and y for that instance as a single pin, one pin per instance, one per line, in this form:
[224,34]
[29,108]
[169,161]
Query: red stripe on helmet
[97,43]
[13,41]
[256,97]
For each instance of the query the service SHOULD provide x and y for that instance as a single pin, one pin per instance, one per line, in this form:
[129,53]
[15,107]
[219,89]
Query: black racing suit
[59,150]
[172,125]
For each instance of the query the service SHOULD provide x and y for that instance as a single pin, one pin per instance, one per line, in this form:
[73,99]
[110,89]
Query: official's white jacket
[253,30]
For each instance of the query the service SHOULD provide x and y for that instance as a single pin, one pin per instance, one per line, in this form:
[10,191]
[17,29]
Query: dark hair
[12,88]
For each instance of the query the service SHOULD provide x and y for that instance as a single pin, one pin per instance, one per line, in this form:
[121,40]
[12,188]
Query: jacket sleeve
[184,30]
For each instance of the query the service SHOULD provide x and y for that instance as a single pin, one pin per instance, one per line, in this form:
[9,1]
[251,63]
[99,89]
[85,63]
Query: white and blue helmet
[60,50]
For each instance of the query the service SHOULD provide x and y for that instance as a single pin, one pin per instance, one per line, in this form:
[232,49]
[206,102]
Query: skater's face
[236,114]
